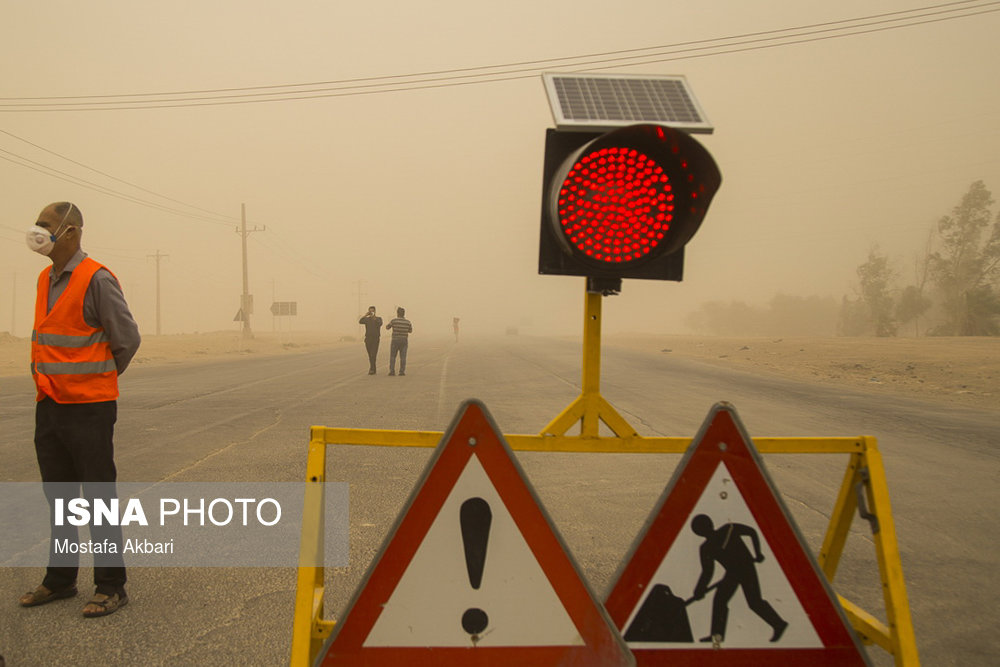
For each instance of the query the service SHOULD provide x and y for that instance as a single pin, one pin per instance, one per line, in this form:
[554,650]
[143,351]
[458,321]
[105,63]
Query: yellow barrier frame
[864,489]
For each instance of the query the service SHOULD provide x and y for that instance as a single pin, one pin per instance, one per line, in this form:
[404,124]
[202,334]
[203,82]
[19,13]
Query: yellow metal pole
[309,628]
[841,519]
[568,443]
[890,565]
[590,408]
[591,365]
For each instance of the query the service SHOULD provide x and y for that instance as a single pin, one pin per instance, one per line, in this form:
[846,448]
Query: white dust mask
[40,240]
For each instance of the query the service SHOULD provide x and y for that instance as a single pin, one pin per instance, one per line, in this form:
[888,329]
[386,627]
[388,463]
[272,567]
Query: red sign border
[473,423]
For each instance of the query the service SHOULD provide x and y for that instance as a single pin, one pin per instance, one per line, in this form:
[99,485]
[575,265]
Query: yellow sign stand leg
[864,489]
[309,630]
[590,408]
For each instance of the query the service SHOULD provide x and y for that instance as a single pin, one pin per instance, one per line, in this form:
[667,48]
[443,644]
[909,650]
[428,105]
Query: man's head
[702,525]
[371,309]
[400,312]
[63,222]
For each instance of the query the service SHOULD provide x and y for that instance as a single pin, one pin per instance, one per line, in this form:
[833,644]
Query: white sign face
[514,601]
[752,603]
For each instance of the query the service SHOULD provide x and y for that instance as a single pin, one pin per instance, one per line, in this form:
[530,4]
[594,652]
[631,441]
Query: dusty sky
[838,125]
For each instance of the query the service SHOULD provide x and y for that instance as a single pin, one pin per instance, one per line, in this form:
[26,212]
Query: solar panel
[600,102]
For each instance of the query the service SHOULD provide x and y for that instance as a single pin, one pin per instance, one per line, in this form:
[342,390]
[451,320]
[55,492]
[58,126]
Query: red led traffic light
[615,205]
[623,204]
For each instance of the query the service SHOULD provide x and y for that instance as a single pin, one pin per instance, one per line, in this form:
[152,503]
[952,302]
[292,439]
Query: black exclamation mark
[475,517]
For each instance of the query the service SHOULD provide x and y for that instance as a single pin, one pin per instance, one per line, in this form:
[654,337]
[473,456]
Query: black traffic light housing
[622,204]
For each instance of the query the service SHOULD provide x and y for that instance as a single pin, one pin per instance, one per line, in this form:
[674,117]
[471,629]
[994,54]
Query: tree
[735,318]
[853,318]
[966,268]
[914,302]
[876,277]
[911,305]
[784,315]
[789,315]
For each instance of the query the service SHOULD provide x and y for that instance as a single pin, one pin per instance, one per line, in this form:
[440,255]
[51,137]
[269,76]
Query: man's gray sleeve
[104,306]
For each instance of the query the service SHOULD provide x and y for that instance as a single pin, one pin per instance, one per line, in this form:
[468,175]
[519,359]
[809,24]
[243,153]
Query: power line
[800,41]
[511,71]
[911,14]
[28,163]
[224,218]
[453,77]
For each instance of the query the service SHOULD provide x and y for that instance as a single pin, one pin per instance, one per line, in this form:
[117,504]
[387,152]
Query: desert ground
[961,371]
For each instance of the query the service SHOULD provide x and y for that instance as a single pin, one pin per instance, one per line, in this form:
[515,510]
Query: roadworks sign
[474,573]
[720,574]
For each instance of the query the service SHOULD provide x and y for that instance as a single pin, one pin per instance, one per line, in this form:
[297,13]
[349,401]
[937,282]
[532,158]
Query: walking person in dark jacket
[373,334]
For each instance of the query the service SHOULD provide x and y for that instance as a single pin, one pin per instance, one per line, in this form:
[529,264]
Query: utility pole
[360,284]
[13,307]
[246,301]
[157,256]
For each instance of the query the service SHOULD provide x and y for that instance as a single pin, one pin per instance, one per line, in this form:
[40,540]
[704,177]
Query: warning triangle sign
[720,574]
[474,573]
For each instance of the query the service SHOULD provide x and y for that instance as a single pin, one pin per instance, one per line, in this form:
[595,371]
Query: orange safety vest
[71,361]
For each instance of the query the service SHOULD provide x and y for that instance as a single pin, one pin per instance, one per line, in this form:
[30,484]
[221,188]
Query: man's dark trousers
[398,346]
[372,346]
[74,444]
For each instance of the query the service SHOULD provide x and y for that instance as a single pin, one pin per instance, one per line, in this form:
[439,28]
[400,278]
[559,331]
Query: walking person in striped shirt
[401,330]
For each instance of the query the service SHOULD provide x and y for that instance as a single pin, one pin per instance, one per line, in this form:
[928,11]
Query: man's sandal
[43,595]
[105,604]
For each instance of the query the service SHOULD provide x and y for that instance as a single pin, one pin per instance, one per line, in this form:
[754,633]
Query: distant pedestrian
[454,325]
[373,334]
[401,330]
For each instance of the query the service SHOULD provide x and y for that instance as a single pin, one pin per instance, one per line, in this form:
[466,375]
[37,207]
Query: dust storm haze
[394,156]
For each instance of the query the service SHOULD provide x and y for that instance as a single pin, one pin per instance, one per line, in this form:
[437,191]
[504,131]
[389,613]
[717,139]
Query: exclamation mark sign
[475,517]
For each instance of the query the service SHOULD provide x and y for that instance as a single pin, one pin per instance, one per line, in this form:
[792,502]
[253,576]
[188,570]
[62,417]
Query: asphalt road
[249,419]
